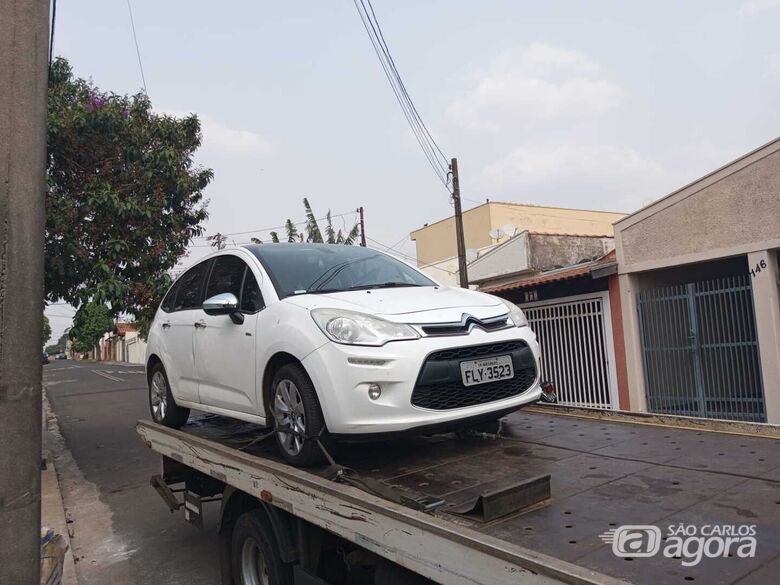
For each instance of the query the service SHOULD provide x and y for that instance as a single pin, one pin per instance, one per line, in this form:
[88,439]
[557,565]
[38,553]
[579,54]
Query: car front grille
[439,386]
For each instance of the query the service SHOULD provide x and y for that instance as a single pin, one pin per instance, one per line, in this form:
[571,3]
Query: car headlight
[353,328]
[516,314]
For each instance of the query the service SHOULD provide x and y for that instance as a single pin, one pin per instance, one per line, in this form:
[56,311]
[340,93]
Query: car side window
[251,297]
[170,299]
[190,291]
[226,276]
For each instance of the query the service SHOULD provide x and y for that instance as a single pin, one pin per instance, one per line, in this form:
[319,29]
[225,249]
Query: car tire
[292,389]
[255,558]
[162,406]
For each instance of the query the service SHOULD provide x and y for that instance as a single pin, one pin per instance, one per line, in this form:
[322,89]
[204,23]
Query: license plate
[475,372]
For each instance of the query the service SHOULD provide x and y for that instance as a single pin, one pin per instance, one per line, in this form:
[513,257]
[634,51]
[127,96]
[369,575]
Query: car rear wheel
[162,406]
[297,416]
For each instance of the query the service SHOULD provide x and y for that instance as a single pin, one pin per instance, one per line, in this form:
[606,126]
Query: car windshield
[297,269]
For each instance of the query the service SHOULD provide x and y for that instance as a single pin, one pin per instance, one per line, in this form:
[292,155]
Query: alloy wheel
[254,569]
[289,414]
[159,396]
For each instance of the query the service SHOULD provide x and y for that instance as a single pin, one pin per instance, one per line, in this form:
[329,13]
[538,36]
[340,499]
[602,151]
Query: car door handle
[200,324]
[166,325]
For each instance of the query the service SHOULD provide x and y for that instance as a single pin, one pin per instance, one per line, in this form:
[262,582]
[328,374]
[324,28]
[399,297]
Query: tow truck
[536,500]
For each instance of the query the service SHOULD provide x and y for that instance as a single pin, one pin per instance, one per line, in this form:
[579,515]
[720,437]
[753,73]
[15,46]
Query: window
[300,268]
[226,276]
[251,298]
[170,298]
[190,288]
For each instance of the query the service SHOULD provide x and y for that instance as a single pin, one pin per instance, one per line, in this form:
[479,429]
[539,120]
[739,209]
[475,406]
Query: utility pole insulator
[362,227]
[462,270]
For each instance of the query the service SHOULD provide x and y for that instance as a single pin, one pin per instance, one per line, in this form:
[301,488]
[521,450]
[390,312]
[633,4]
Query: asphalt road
[122,531]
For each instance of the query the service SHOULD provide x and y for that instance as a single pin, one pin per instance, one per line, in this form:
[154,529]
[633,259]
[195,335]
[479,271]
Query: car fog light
[374,391]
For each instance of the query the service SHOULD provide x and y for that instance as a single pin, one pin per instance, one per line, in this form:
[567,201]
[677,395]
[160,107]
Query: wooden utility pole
[362,227]
[462,271]
[24,32]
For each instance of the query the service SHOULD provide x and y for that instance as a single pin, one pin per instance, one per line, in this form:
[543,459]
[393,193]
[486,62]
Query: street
[122,531]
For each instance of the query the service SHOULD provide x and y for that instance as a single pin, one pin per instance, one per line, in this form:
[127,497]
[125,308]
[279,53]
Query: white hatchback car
[334,341]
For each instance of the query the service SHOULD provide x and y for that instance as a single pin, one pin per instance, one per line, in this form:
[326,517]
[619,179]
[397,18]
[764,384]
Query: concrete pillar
[766,300]
[633,343]
[23,56]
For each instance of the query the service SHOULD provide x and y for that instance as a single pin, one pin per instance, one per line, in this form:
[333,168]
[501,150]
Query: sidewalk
[52,507]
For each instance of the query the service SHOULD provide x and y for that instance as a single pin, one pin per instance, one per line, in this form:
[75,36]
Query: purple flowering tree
[124,196]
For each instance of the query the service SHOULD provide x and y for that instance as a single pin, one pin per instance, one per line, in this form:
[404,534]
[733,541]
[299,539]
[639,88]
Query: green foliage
[124,196]
[58,347]
[46,330]
[313,231]
[92,320]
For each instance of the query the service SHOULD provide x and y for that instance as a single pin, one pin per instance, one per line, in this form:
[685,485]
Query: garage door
[575,335]
[700,350]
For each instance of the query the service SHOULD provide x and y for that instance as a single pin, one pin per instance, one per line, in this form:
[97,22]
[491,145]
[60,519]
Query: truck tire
[294,405]
[254,553]
[162,406]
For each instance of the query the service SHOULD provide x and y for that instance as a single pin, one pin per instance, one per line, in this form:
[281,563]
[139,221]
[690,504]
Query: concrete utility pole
[24,31]
[462,271]
[362,227]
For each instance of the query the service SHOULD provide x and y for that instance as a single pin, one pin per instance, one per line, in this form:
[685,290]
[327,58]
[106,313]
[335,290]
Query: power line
[407,257]
[267,229]
[429,147]
[137,50]
[403,87]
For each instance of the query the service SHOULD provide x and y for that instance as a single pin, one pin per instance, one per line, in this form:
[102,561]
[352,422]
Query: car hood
[408,304]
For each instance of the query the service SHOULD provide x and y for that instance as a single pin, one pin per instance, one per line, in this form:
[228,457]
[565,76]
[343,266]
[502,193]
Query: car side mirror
[221,304]
[224,304]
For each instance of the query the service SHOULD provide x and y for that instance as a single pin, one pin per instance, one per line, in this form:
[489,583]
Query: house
[698,273]
[122,344]
[567,285]
[682,318]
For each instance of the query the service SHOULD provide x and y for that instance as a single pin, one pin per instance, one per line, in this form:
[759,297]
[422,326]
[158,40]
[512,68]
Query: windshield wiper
[317,291]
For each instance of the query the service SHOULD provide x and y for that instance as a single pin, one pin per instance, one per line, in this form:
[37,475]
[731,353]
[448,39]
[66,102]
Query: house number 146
[759,267]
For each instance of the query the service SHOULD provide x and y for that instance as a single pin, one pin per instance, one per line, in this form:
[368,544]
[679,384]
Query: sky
[598,105]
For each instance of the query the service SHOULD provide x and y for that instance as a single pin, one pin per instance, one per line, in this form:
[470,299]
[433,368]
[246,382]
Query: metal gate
[701,351]
[575,335]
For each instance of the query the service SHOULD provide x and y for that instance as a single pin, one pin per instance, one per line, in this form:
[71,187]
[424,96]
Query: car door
[225,350]
[177,328]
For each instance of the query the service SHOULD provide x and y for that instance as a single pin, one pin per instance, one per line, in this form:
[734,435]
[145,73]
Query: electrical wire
[403,88]
[428,145]
[407,257]
[278,227]
[137,50]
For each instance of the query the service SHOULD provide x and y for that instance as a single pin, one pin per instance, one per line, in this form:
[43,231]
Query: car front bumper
[342,375]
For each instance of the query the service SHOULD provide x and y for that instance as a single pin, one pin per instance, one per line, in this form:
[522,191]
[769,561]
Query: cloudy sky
[600,104]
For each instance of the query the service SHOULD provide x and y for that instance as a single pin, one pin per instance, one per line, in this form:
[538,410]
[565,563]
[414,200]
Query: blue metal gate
[701,350]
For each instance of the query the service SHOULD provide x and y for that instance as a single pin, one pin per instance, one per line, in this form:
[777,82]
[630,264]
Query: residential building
[698,274]
[436,242]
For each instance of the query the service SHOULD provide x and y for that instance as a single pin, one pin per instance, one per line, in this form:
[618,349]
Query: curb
[52,507]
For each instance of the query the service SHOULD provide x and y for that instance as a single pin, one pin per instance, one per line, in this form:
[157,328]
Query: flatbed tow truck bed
[606,471]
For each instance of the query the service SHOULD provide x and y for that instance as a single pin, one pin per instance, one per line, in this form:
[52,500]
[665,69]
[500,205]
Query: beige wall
[437,241]
[733,211]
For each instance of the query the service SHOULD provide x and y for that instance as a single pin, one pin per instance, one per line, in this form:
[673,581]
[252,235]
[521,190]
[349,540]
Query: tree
[313,232]
[124,196]
[58,347]
[46,330]
[92,320]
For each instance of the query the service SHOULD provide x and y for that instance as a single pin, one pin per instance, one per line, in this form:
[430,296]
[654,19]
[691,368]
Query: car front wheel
[297,416]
